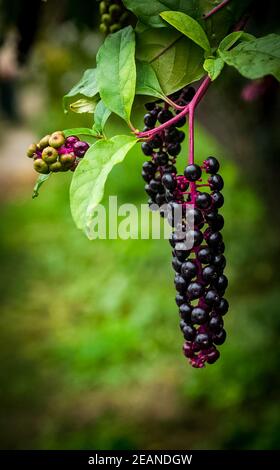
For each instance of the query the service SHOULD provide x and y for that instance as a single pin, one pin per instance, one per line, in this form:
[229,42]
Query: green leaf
[101,115]
[40,180]
[256,58]
[83,105]
[188,26]
[87,187]
[176,60]
[213,67]
[79,131]
[147,82]
[116,72]
[232,39]
[85,88]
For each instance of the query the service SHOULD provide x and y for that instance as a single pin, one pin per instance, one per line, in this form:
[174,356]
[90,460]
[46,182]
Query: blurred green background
[89,337]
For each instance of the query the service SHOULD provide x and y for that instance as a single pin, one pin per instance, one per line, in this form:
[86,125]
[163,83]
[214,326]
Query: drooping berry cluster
[197,244]
[114,16]
[56,153]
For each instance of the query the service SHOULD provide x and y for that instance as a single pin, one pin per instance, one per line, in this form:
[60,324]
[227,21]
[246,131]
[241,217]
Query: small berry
[199,315]
[41,167]
[162,158]
[147,149]
[192,172]
[218,199]
[211,297]
[57,139]
[209,273]
[204,255]
[174,149]
[55,167]
[219,338]
[31,150]
[180,299]
[169,181]
[80,148]
[70,141]
[185,311]
[176,264]
[222,306]
[44,142]
[189,270]
[164,116]
[203,340]
[216,323]
[149,120]
[49,155]
[189,332]
[195,290]
[203,200]
[212,165]
[216,182]
[180,283]
[213,356]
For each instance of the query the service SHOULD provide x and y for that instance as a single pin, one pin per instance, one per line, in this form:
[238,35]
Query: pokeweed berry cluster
[55,153]
[196,241]
[114,16]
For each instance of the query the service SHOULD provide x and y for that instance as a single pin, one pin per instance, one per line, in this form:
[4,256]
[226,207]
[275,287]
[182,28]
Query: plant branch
[193,103]
[217,8]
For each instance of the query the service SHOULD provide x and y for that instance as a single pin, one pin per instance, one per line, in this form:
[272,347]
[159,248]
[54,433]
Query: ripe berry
[149,120]
[147,149]
[211,297]
[203,200]
[49,155]
[199,315]
[213,356]
[188,270]
[176,264]
[222,306]
[204,255]
[146,177]
[185,311]
[149,168]
[156,142]
[150,106]
[80,148]
[216,221]
[212,165]
[180,299]
[194,237]
[162,158]
[221,283]
[174,149]
[192,172]
[189,332]
[169,181]
[164,116]
[209,274]
[219,338]
[181,137]
[180,283]
[219,261]
[203,340]
[155,185]
[56,140]
[213,239]
[188,94]
[195,290]
[216,323]
[70,141]
[216,182]
[149,191]
[181,122]
[160,199]
[218,199]
[194,216]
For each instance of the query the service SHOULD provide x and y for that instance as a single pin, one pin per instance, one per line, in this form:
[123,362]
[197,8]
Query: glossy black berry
[169,181]
[213,356]
[185,311]
[149,168]
[194,216]
[180,283]
[213,239]
[172,135]
[147,149]
[189,333]
[174,149]
[199,315]
[160,199]
[218,199]
[180,299]
[222,306]
[164,116]
[216,182]
[156,142]
[209,274]
[219,261]
[203,340]
[149,191]
[150,106]
[216,323]
[204,255]
[188,94]
[162,158]
[195,290]
[189,270]
[192,172]
[212,165]
[211,297]
[155,185]
[219,338]
[176,264]
[181,137]
[216,221]
[149,120]
[221,283]
[181,122]
[203,200]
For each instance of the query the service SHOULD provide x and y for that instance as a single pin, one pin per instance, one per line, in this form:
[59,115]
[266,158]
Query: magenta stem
[194,102]
[217,8]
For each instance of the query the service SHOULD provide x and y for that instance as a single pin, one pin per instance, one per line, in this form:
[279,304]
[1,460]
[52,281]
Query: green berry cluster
[56,153]
[114,16]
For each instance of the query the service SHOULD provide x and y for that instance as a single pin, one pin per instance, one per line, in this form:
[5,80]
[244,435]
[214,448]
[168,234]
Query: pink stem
[217,8]
[196,99]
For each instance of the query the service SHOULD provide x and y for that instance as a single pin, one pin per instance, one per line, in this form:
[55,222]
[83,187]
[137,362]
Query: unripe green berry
[103,28]
[49,155]
[115,27]
[106,19]
[55,167]
[115,10]
[57,139]
[31,150]
[124,18]
[40,166]
[102,8]
[67,159]
[44,142]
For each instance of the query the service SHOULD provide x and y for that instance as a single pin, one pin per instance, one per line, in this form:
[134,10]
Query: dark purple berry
[203,340]
[213,356]
[80,148]
[212,165]
[189,332]
[181,122]
[216,182]
[203,200]
[180,283]
[222,306]
[188,270]
[164,116]
[185,311]
[219,338]
[219,261]
[180,299]
[176,264]
[174,149]
[213,239]
[195,290]
[218,199]
[147,149]
[204,255]
[192,172]
[209,274]
[149,120]
[216,323]
[169,181]
[220,283]
[162,158]
[199,315]
[211,297]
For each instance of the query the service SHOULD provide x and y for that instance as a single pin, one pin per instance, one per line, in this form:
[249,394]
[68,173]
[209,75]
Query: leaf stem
[217,8]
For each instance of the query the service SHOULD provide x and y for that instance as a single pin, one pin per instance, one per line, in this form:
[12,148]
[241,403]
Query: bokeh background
[89,339]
